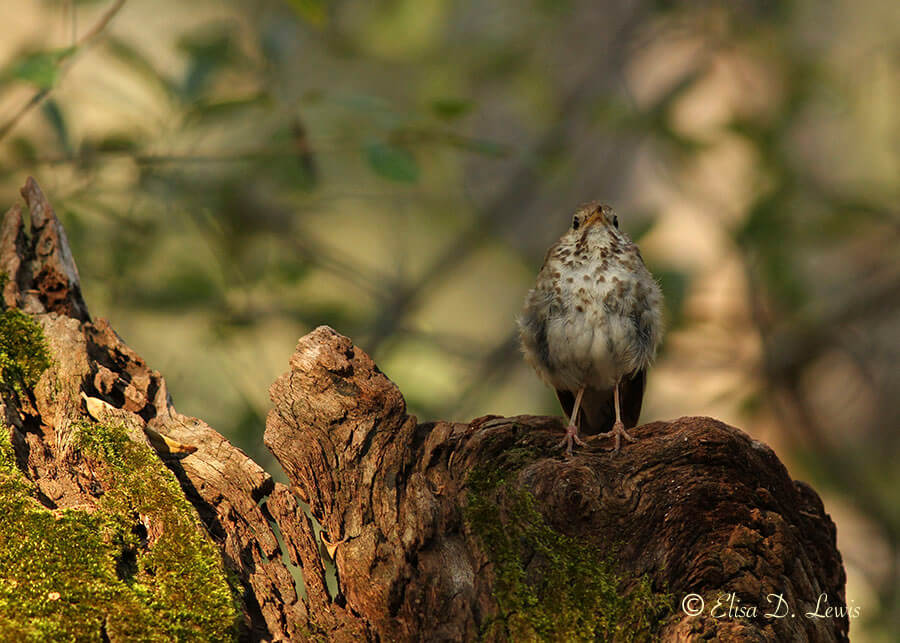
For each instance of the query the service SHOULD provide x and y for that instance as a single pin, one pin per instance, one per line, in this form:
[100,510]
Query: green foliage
[139,566]
[53,115]
[392,162]
[210,50]
[23,350]
[550,586]
[41,68]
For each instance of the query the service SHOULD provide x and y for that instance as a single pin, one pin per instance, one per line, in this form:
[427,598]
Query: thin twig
[27,107]
[100,25]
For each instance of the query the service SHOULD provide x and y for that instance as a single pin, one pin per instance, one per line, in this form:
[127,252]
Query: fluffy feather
[593,319]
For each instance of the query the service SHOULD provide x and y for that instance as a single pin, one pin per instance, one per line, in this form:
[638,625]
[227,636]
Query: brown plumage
[592,324]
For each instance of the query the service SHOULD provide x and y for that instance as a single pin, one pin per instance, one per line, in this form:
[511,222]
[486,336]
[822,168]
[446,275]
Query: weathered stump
[438,531]
[452,528]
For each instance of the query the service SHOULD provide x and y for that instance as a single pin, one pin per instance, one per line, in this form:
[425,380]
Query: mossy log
[122,518]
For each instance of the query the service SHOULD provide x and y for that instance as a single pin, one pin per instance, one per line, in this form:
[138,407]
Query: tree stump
[436,531]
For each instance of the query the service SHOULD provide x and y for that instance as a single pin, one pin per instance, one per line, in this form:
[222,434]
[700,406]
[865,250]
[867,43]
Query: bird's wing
[598,407]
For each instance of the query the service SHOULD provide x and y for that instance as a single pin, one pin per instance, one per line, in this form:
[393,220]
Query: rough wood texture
[694,506]
[223,484]
[699,506]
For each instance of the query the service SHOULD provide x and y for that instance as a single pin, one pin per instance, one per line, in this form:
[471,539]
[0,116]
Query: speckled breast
[604,318]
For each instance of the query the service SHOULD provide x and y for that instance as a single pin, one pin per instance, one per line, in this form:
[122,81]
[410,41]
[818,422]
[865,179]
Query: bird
[592,325]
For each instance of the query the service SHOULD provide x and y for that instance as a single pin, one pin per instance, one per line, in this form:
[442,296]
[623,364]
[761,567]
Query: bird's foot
[571,436]
[618,432]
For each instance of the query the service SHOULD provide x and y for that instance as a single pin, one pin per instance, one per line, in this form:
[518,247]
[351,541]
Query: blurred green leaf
[450,108]
[52,112]
[210,49]
[40,68]
[392,162]
[315,12]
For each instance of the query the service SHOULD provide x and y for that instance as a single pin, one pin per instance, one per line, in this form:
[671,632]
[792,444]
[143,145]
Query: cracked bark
[694,505]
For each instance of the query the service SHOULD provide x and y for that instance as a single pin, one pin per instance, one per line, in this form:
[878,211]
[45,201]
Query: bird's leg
[572,428]
[618,430]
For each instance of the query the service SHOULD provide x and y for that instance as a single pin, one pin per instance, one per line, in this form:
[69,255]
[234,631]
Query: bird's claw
[618,432]
[571,436]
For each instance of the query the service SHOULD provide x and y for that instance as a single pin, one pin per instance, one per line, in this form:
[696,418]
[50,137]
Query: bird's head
[593,218]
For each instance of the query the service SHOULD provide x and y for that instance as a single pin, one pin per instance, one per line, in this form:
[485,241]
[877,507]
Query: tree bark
[437,531]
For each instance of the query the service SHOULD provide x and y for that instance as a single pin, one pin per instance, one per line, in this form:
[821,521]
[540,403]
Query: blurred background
[233,174]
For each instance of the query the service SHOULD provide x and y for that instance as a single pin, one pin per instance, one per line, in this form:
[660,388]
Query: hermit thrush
[591,325]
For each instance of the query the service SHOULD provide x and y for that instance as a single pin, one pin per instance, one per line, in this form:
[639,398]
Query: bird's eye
[616,222]
[576,221]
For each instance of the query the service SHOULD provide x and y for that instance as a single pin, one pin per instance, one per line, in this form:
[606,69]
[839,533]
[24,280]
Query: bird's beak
[596,217]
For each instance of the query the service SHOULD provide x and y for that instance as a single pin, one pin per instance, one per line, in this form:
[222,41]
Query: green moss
[23,350]
[138,565]
[550,586]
